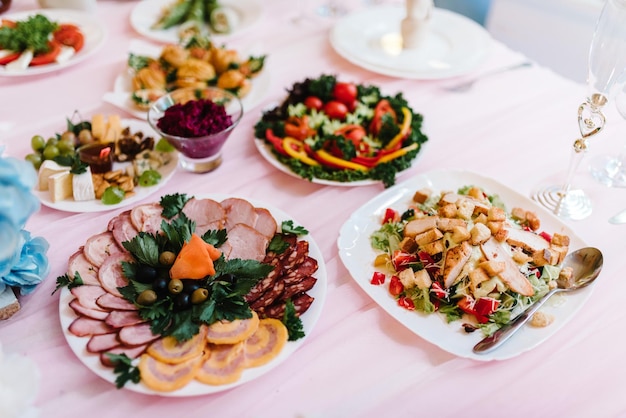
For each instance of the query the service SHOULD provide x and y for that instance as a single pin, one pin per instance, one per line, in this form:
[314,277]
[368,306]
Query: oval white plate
[96,205]
[371,39]
[93,31]
[146,13]
[309,319]
[122,89]
[266,151]
[357,255]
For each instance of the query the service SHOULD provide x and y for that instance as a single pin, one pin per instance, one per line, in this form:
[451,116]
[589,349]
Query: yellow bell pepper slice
[396,154]
[295,149]
[404,129]
[340,162]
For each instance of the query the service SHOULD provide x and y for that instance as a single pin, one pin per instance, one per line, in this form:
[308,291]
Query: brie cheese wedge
[48,168]
[82,186]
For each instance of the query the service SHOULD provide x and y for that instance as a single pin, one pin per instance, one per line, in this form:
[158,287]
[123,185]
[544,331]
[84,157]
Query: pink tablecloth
[358,361]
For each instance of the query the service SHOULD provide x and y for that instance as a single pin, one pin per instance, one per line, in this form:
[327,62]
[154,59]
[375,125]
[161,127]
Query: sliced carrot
[224,365]
[195,260]
[165,377]
[266,342]
[231,332]
[170,350]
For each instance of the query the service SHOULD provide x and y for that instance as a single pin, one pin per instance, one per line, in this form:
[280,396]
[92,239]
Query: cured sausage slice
[306,268]
[99,247]
[79,263]
[270,296]
[266,283]
[302,286]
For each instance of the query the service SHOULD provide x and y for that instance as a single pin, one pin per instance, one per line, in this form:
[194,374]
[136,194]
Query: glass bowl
[188,122]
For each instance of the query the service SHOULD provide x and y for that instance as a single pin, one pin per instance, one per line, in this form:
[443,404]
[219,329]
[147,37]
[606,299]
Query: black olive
[146,274]
[190,285]
[175,286]
[160,285]
[182,301]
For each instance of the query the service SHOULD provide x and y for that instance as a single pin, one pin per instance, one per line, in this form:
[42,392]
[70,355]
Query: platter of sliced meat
[99,318]
[454,255]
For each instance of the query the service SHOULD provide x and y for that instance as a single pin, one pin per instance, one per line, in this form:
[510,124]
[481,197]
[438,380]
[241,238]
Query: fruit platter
[334,132]
[100,164]
[191,295]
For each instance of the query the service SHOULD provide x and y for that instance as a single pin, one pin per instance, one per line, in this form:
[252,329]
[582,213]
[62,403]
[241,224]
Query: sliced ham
[139,334]
[207,213]
[456,257]
[87,271]
[103,342]
[511,275]
[120,319]
[80,310]
[111,302]
[238,211]
[123,229]
[246,243]
[265,223]
[111,275]
[84,327]
[131,352]
[147,217]
[101,246]
[87,296]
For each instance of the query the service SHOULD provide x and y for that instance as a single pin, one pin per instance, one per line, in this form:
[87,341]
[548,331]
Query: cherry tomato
[346,93]
[378,278]
[395,286]
[382,107]
[314,102]
[336,110]
[70,35]
[47,57]
[9,58]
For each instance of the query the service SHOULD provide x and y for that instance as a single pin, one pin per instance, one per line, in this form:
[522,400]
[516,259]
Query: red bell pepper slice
[276,142]
[378,278]
[486,306]
[9,58]
[407,303]
[391,215]
[467,305]
[400,259]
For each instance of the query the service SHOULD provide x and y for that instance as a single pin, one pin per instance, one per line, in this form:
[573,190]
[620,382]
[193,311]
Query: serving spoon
[586,264]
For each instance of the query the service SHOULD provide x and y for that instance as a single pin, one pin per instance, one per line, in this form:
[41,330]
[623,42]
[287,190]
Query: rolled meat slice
[123,229]
[139,334]
[103,342]
[84,327]
[87,296]
[101,246]
[111,275]
[87,271]
[80,310]
[114,303]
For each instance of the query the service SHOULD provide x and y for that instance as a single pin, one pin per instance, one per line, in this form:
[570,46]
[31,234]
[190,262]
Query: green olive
[199,295]
[166,258]
[175,286]
[147,297]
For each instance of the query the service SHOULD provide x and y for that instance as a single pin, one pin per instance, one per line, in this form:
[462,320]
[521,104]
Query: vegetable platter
[442,306]
[334,132]
[51,40]
[192,295]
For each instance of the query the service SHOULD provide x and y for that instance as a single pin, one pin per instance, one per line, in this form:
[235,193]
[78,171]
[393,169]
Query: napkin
[19,384]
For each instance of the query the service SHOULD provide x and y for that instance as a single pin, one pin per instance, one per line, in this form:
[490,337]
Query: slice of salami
[84,327]
[304,269]
[297,255]
[87,296]
[111,275]
[301,304]
[269,296]
[101,246]
[111,302]
[302,286]
[80,310]
[266,283]
[79,263]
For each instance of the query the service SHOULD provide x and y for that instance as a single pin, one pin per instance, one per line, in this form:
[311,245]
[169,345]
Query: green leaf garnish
[289,228]
[65,280]
[173,204]
[144,247]
[278,244]
[292,321]
[215,237]
[124,369]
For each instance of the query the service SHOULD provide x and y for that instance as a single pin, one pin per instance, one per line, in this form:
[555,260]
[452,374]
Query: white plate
[371,39]
[147,12]
[358,256]
[123,87]
[93,31]
[309,319]
[96,205]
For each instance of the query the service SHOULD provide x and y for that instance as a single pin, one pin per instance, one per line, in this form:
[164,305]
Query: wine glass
[611,169]
[607,61]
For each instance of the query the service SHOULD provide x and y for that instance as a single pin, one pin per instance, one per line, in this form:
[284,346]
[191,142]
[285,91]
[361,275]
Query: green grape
[66,146]
[50,151]
[112,195]
[37,143]
[52,141]
[35,159]
[149,178]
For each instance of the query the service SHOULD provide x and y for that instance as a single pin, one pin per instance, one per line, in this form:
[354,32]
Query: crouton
[476,193]
[448,210]
[435,247]
[501,235]
[421,195]
[558,239]
[566,277]
[479,234]
[428,236]
[496,214]
[448,224]
[407,278]
[408,245]
[533,221]
[494,226]
[460,233]
[422,279]
[547,256]
[481,219]
[465,209]
[561,251]
[518,214]
[520,257]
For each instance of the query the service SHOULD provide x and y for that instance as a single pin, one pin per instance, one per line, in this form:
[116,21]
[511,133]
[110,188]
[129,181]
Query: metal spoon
[586,264]
[466,85]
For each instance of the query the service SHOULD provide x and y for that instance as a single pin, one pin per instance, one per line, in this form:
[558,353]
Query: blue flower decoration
[23,261]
